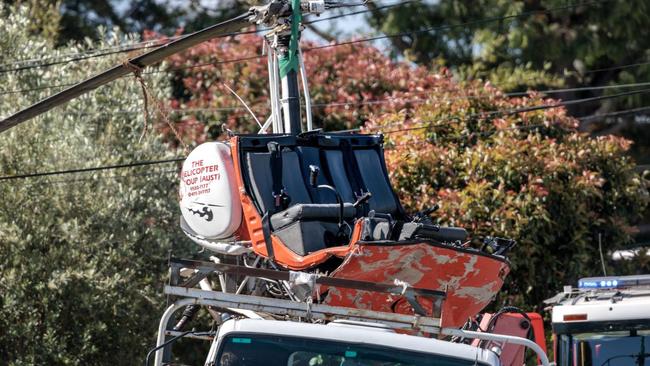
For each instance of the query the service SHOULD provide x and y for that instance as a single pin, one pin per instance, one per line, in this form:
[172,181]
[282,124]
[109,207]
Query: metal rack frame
[305,311]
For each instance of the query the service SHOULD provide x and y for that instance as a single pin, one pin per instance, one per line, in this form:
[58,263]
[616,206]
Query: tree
[82,256]
[539,44]
[529,176]
[535,44]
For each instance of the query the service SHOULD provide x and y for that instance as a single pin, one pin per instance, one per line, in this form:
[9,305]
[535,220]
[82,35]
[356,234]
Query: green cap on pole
[290,62]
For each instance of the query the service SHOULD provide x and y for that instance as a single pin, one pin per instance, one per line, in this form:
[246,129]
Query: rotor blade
[116,72]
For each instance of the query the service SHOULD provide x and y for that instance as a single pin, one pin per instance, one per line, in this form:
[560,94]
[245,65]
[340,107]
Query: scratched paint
[470,279]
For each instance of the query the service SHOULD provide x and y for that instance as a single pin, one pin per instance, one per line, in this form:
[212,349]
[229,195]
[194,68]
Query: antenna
[245,105]
[602,257]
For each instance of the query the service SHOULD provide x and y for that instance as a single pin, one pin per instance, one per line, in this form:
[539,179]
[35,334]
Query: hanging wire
[509,112]
[615,114]
[244,59]
[92,169]
[153,43]
[103,178]
[262,104]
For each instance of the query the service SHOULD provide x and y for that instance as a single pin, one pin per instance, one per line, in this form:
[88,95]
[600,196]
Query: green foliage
[82,257]
[44,17]
[529,176]
[551,35]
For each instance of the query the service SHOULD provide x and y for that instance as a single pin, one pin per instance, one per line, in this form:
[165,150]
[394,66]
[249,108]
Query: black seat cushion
[304,237]
[323,212]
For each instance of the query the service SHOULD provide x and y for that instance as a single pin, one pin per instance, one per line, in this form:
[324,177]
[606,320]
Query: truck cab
[604,322]
[249,342]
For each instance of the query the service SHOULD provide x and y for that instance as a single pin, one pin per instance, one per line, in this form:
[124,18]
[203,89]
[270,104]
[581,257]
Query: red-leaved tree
[347,83]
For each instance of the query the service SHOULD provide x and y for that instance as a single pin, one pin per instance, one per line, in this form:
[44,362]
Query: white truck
[249,342]
[604,322]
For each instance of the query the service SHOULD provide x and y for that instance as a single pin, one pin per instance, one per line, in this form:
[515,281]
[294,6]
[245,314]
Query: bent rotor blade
[146,59]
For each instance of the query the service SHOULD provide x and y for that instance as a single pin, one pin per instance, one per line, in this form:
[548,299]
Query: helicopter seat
[307,219]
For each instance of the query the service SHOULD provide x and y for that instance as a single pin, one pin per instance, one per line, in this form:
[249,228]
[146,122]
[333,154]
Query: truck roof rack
[186,274]
[304,310]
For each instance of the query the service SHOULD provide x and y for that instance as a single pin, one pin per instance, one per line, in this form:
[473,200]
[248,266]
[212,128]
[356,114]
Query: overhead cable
[388,100]
[615,114]
[493,19]
[105,177]
[92,169]
[428,125]
[514,111]
[152,44]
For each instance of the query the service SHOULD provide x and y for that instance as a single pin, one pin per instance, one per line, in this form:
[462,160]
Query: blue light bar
[614,282]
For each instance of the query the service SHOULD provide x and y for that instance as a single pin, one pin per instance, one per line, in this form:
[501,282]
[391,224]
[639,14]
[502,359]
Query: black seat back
[352,164]
[261,179]
[310,155]
[375,179]
[330,163]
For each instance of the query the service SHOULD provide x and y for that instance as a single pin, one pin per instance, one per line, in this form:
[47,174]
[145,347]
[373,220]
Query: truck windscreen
[254,350]
[620,348]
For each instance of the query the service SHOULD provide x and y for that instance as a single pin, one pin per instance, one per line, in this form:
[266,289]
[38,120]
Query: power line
[547,91]
[488,133]
[429,124]
[371,39]
[589,88]
[92,169]
[78,58]
[146,44]
[473,22]
[36,89]
[617,67]
[482,134]
[389,100]
[485,20]
[514,111]
[614,114]
[97,52]
[104,177]
[464,136]
[363,40]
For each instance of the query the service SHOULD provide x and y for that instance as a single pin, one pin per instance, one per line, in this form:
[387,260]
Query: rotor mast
[288,63]
[285,62]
